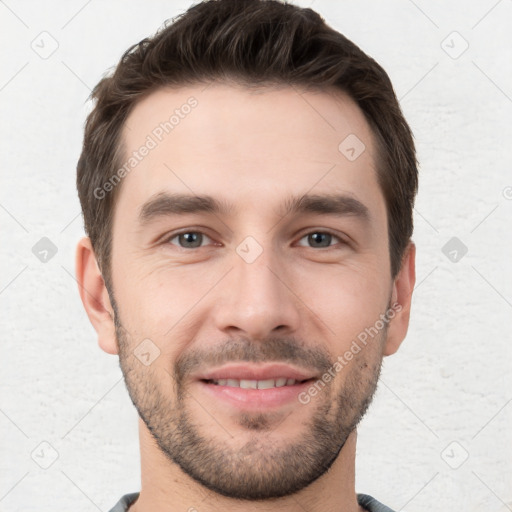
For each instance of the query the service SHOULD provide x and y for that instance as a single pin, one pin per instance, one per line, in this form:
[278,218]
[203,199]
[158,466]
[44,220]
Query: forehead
[246,146]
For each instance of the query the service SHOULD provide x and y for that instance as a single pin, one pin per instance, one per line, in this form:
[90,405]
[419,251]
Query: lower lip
[255,398]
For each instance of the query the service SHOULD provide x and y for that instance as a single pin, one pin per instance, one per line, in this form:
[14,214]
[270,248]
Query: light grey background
[446,395]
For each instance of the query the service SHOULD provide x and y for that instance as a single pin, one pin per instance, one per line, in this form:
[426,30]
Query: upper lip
[256,372]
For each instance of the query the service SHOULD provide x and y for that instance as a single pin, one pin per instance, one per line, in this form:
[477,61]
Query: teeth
[266,384]
[249,384]
[255,384]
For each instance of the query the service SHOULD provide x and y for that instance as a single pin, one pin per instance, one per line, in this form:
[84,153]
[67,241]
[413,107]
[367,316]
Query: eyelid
[342,240]
[166,239]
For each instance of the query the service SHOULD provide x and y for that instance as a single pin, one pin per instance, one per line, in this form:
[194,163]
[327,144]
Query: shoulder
[371,504]
[123,504]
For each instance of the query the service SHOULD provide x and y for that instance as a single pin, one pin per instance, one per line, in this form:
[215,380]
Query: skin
[252,150]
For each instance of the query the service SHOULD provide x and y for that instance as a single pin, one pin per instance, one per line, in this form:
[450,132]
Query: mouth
[270,374]
[253,387]
[256,384]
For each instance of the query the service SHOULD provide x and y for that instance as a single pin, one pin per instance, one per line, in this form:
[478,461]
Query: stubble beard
[254,460]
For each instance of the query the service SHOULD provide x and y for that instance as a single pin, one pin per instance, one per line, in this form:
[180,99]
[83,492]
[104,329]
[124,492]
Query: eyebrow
[166,204]
[333,204]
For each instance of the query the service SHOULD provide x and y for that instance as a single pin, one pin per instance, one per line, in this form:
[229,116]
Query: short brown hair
[253,42]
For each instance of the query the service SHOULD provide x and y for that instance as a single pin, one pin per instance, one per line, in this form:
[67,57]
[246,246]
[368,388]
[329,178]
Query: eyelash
[168,239]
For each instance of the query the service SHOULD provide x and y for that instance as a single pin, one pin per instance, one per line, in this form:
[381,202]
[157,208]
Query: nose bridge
[257,280]
[256,300]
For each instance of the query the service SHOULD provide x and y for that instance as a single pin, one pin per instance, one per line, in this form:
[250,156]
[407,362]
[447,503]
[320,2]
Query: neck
[165,487]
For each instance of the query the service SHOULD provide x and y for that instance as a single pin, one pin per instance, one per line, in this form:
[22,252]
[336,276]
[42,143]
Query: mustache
[270,350]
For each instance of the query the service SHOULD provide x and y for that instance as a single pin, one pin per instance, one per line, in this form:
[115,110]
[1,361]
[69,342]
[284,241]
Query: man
[247,183]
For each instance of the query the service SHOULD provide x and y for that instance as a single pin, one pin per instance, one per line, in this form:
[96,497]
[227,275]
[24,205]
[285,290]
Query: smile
[255,384]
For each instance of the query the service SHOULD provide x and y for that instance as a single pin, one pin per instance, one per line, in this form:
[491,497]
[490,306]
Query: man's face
[255,294]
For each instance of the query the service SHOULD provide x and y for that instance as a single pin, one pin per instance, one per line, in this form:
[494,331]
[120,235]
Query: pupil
[318,237]
[191,238]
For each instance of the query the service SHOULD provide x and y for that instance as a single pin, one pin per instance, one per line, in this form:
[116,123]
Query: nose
[257,299]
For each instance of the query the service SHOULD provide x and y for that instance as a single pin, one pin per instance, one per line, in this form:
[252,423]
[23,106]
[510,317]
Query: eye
[188,239]
[321,239]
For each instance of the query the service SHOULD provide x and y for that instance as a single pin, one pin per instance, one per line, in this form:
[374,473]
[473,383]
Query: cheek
[347,299]
[158,303]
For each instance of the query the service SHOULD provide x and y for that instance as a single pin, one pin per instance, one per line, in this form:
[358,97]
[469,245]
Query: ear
[403,286]
[94,295]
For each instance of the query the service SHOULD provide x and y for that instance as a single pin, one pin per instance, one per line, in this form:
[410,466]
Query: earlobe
[94,295]
[401,298]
